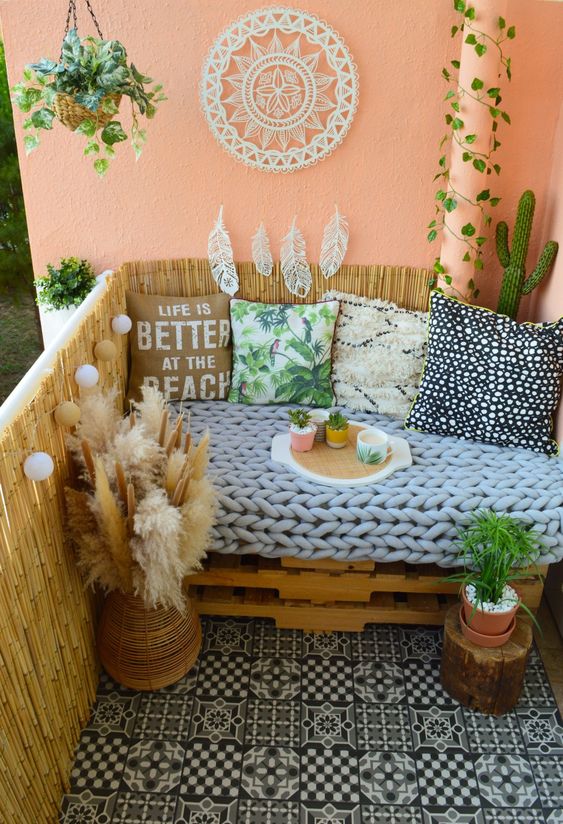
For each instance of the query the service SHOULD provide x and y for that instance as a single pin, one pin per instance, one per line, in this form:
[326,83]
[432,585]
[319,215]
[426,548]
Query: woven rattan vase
[147,649]
[71,114]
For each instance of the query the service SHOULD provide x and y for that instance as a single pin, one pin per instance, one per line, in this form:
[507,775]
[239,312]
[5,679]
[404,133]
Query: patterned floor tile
[273,722]
[446,779]
[506,780]
[438,727]
[268,812]
[115,713]
[329,775]
[144,808]
[271,642]
[87,808]
[328,724]
[421,643]
[486,733]
[330,814]
[384,814]
[378,642]
[326,644]
[207,811]
[218,719]
[99,762]
[451,816]
[228,636]
[542,731]
[422,681]
[211,769]
[493,816]
[388,778]
[379,682]
[536,691]
[383,727]
[222,676]
[275,678]
[270,772]
[284,727]
[154,766]
[164,716]
[548,772]
[326,679]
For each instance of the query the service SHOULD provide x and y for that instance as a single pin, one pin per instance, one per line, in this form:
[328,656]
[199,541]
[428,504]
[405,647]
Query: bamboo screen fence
[48,663]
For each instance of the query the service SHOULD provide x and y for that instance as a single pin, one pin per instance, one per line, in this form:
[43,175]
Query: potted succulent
[61,292]
[83,89]
[301,430]
[337,430]
[497,550]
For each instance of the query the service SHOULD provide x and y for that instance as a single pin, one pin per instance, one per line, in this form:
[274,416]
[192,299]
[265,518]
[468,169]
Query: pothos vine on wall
[447,196]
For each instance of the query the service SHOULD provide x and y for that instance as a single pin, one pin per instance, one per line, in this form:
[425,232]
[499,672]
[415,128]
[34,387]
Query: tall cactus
[514,281]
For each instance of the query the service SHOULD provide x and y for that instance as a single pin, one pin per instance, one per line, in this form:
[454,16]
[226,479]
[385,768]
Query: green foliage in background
[16,273]
[89,70]
[66,286]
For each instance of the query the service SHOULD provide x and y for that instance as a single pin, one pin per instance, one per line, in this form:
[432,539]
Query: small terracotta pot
[302,441]
[488,641]
[336,438]
[487,623]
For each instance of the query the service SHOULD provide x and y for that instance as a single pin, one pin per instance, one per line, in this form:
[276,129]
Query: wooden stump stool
[488,680]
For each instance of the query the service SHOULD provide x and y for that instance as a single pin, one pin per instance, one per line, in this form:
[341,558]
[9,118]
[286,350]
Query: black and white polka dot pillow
[488,377]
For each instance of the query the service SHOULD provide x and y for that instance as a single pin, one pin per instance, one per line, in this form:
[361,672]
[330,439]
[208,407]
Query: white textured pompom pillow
[378,354]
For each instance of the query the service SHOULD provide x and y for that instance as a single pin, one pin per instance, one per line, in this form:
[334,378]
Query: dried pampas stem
[113,525]
[89,460]
[132,419]
[200,458]
[131,507]
[121,482]
[163,427]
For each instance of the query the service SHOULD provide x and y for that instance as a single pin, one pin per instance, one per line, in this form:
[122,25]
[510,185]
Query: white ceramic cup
[372,445]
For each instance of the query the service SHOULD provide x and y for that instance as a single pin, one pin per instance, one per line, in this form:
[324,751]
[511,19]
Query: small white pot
[53,321]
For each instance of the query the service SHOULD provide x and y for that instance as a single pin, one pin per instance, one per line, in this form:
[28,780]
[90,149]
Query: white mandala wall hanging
[279,89]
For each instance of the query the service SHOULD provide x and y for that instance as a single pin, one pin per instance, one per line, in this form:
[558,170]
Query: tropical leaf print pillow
[282,352]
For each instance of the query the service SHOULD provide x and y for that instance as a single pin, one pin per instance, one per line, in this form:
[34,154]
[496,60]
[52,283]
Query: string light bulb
[38,466]
[67,413]
[86,376]
[105,350]
[121,324]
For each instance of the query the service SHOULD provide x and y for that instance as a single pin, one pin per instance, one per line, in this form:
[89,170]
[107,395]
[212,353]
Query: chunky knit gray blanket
[409,516]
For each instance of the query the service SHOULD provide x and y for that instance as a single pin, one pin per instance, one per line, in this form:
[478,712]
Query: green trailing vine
[447,198]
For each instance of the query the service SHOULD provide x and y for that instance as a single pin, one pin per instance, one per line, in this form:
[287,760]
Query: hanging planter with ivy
[447,197]
[84,91]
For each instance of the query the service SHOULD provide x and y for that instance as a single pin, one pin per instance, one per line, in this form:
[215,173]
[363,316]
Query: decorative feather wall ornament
[295,269]
[220,254]
[261,253]
[334,245]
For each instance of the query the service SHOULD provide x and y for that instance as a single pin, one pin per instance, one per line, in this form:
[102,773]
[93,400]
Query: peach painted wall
[381,176]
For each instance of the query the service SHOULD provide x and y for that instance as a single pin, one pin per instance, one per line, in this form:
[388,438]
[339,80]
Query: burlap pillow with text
[182,346]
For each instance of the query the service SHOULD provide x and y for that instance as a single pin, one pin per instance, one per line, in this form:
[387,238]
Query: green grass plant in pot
[337,430]
[84,90]
[301,430]
[497,550]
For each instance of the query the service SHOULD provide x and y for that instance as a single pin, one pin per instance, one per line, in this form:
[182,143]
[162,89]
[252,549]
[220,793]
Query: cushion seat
[410,516]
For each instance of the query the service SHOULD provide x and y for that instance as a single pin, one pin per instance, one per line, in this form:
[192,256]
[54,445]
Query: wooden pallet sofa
[308,589]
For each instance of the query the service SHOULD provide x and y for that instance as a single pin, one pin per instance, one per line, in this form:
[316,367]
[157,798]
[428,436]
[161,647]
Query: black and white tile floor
[286,727]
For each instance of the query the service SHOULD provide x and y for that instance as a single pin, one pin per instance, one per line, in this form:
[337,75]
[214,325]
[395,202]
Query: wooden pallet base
[329,595]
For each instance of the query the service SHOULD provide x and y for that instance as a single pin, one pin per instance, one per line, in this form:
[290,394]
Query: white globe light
[38,466]
[86,376]
[121,324]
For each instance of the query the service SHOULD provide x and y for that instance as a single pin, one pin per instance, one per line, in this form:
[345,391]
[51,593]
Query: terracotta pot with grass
[496,551]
